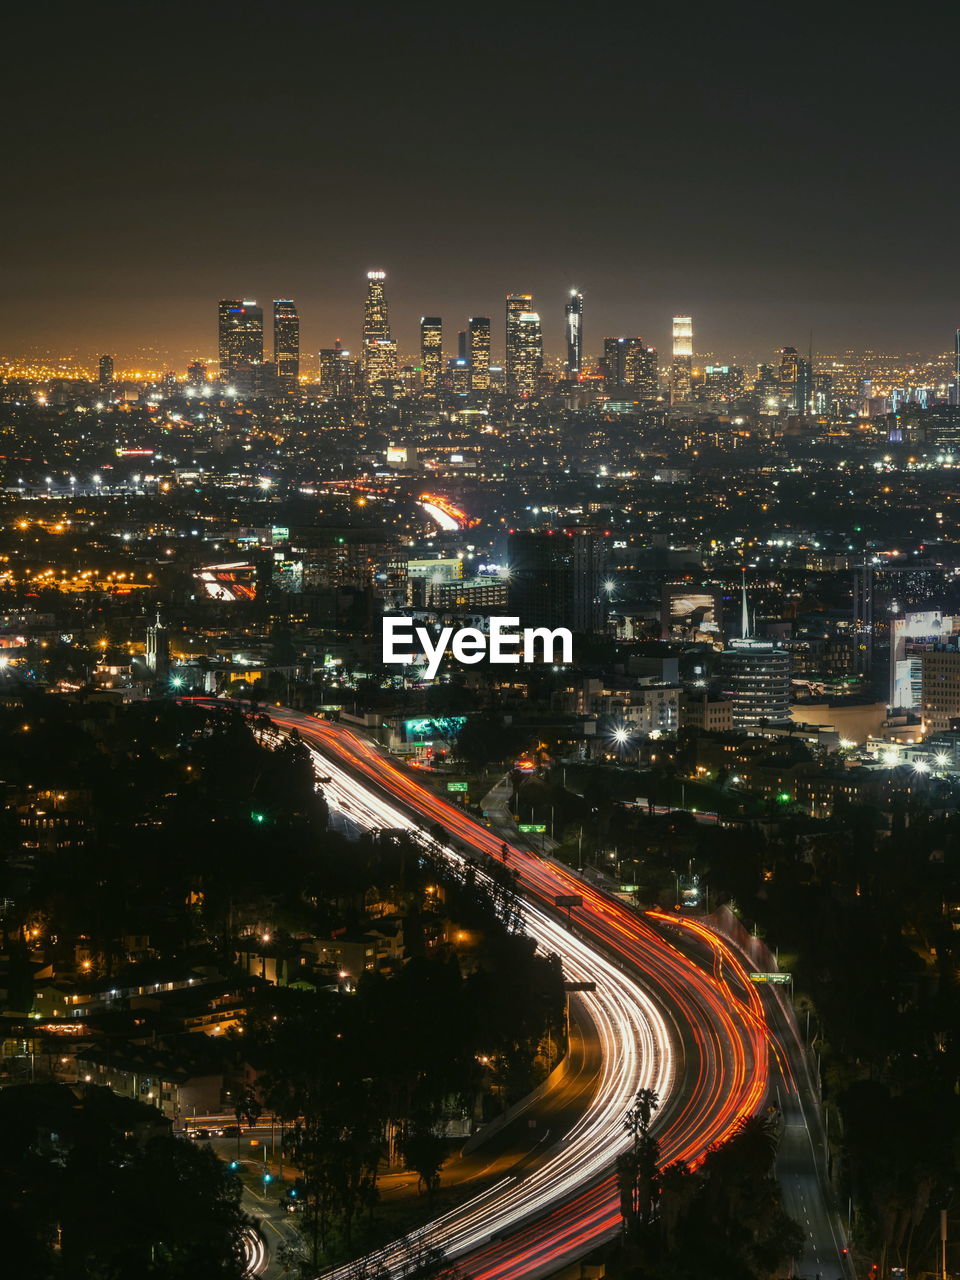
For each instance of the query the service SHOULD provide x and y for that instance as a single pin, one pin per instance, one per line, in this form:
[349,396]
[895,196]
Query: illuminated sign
[774,979]
[458,786]
[538,828]
[430,727]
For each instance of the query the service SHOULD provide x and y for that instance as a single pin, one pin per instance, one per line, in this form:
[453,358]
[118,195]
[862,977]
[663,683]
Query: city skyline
[779,186]
[707,344]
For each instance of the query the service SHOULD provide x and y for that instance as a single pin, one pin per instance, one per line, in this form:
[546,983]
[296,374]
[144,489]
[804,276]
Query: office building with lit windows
[478,352]
[681,370]
[573,329]
[105,371]
[339,374]
[524,362]
[379,349]
[240,338]
[796,381]
[286,342]
[629,362]
[556,579]
[755,676]
[431,353]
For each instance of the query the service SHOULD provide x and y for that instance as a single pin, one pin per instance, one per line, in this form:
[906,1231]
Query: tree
[425,1152]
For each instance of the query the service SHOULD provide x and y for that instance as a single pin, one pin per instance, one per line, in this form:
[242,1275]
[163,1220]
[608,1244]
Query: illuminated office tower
[573,328]
[431,352]
[379,349]
[286,341]
[796,381]
[722,382]
[478,352]
[524,345]
[821,396]
[241,337]
[629,362]
[641,368]
[105,371]
[556,580]
[338,372]
[681,372]
[518,304]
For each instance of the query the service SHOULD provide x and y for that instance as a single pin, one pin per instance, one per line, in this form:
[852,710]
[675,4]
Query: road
[694,1034]
[801,1162]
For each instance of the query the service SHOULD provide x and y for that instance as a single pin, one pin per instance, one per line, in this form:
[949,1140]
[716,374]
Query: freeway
[695,1034]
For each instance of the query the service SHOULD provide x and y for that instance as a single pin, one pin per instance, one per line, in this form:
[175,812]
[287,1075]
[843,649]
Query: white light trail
[636,1045]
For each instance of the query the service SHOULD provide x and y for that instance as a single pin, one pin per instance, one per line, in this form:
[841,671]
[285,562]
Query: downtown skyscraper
[478,352]
[573,329]
[629,362]
[240,333]
[681,370]
[524,362]
[431,353]
[379,350]
[286,342]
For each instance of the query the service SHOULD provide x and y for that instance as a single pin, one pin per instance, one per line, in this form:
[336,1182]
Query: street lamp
[621,736]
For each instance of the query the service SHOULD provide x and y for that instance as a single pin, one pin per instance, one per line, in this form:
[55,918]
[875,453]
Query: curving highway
[695,1034]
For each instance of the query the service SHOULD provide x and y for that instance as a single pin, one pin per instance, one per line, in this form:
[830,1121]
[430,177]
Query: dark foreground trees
[93,1187]
[722,1219]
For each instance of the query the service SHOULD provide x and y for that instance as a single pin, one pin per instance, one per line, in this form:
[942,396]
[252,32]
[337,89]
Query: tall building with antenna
[755,675]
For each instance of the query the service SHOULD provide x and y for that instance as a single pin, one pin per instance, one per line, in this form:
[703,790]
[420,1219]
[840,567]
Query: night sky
[770,170]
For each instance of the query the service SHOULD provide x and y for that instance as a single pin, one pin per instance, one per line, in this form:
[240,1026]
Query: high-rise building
[755,676]
[338,372]
[379,348]
[796,381]
[524,345]
[681,371]
[518,304]
[822,397]
[105,371]
[241,337]
[573,327]
[722,382]
[556,579]
[911,635]
[478,352]
[629,362]
[196,375]
[940,687]
[431,353]
[286,342]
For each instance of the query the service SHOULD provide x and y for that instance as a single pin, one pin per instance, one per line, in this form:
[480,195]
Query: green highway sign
[777,979]
[458,786]
[538,827]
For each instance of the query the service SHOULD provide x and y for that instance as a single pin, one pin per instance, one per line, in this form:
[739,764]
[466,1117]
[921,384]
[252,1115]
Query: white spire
[744,611]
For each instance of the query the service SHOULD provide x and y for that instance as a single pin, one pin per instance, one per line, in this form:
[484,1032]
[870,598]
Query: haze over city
[770,177]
